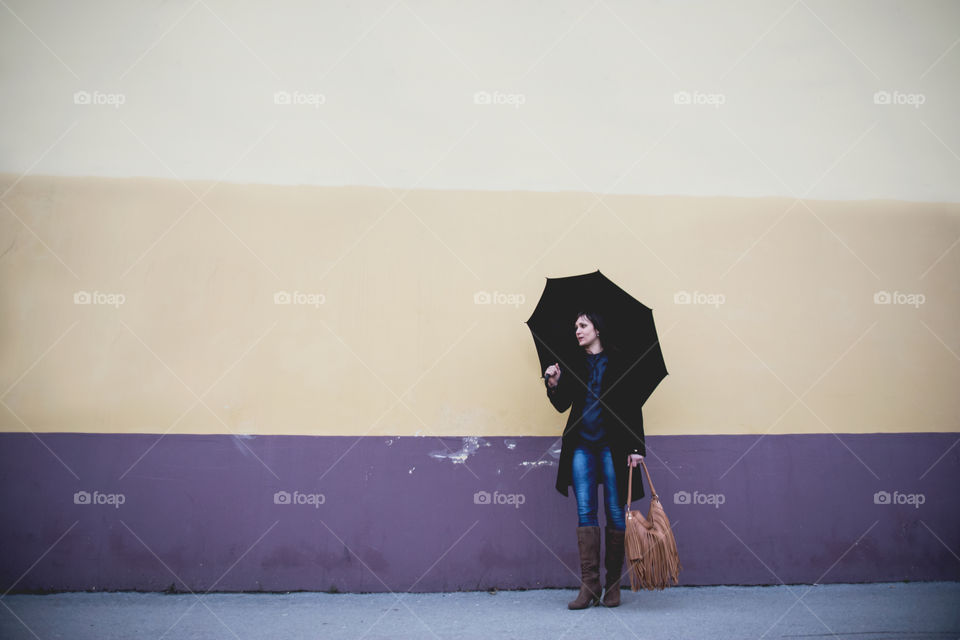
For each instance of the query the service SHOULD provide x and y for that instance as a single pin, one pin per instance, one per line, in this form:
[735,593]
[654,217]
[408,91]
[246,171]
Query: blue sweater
[591,425]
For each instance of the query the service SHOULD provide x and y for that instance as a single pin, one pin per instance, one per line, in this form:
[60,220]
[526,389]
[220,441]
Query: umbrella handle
[653,491]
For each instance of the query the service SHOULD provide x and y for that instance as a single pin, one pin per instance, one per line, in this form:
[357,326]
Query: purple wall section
[400,514]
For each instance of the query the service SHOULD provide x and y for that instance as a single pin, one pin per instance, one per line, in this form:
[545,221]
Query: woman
[604,431]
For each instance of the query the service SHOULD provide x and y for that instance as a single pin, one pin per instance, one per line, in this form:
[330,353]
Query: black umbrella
[630,328]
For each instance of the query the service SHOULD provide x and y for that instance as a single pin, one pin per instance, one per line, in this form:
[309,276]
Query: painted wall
[384,334]
[211,294]
[741,98]
[201,512]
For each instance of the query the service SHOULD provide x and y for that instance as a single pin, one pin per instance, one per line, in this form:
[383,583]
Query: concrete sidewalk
[883,611]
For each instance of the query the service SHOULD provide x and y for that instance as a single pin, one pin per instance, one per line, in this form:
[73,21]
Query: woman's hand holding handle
[552,374]
[634,459]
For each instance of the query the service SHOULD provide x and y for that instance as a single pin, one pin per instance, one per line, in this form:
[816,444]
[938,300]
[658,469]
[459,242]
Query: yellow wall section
[398,345]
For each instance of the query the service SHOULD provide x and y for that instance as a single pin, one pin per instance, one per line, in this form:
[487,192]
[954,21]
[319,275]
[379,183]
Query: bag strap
[653,491]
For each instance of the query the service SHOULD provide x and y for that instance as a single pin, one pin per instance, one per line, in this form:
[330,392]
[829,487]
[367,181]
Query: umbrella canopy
[630,328]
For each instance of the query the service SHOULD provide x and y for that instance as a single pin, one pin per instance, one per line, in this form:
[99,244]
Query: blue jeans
[586,462]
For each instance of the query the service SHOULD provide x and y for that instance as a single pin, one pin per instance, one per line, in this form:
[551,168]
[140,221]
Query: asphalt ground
[876,611]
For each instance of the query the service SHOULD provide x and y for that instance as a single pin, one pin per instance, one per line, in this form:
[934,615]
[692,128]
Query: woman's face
[586,333]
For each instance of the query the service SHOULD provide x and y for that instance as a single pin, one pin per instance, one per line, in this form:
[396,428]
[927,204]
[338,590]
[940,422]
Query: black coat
[622,419]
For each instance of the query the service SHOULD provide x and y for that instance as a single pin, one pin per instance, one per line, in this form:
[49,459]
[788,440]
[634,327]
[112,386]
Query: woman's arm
[559,395]
[636,440]
[629,417]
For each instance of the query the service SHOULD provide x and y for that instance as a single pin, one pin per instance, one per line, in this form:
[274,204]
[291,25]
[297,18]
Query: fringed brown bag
[652,555]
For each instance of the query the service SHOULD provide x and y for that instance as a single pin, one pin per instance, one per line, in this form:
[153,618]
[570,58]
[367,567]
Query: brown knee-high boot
[613,561]
[588,541]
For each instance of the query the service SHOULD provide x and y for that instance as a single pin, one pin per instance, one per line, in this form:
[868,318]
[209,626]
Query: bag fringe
[652,554]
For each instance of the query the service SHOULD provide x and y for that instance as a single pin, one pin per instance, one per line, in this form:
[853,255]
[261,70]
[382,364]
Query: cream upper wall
[398,82]
[398,346]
